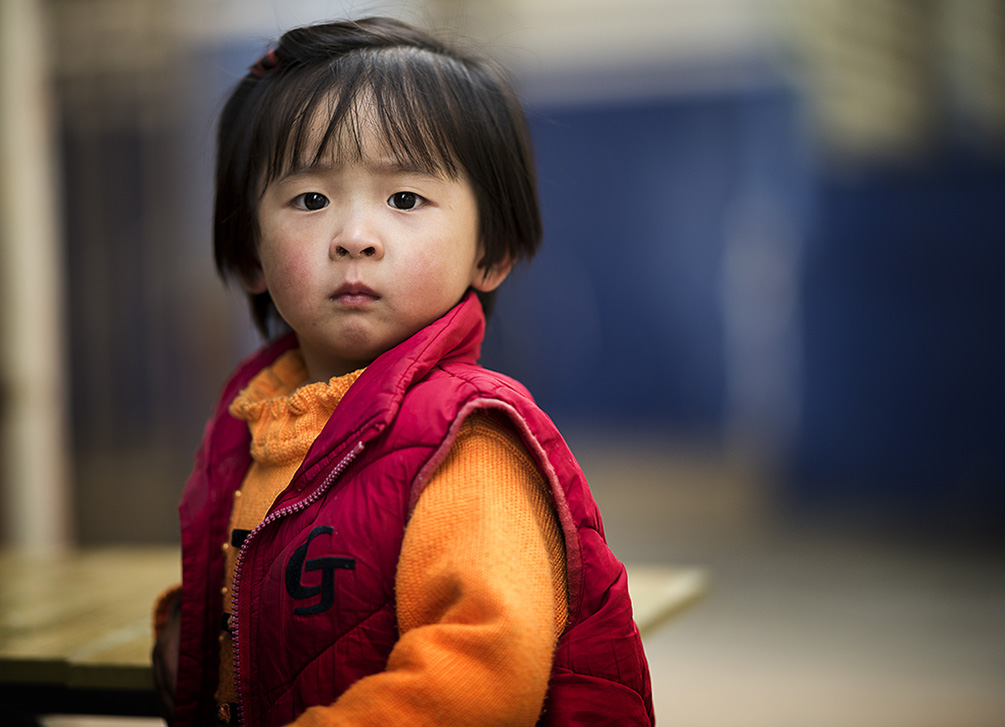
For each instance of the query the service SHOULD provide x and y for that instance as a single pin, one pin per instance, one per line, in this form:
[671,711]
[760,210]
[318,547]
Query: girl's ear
[253,281]
[487,280]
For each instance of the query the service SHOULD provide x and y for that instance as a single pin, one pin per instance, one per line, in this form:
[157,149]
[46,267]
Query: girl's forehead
[357,131]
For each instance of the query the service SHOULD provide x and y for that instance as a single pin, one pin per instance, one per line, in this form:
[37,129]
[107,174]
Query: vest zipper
[238,565]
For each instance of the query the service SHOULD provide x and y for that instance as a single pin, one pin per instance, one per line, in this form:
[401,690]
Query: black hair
[438,108]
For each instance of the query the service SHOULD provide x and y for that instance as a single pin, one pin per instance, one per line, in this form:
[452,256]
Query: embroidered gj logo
[299,563]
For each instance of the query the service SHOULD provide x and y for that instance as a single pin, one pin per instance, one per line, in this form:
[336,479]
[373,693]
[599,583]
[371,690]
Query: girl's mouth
[354,295]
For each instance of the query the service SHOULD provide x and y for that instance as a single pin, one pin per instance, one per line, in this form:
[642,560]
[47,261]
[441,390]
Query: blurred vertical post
[33,419]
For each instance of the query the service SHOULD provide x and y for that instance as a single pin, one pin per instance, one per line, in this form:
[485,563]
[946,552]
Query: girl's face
[359,255]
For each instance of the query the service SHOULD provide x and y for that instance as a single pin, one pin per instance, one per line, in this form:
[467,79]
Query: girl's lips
[354,295]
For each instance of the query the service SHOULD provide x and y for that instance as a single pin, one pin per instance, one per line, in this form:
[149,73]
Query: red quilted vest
[315,581]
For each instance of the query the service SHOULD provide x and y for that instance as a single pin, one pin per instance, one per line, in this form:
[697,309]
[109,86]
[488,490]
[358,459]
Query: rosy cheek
[285,267]
[421,264]
[295,264]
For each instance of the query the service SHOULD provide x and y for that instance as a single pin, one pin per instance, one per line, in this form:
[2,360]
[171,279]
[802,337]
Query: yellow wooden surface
[83,619]
[661,592]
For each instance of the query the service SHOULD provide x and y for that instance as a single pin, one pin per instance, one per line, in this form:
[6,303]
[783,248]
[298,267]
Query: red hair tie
[265,64]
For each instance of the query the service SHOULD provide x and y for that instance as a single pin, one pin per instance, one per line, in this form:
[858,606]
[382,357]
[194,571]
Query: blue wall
[905,313]
[901,306]
[619,319]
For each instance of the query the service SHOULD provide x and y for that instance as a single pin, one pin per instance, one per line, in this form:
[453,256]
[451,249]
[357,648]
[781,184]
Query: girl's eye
[310,201]
[404,200]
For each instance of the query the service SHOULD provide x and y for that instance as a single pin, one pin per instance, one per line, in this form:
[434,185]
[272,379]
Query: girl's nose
[351,250]
[356,240]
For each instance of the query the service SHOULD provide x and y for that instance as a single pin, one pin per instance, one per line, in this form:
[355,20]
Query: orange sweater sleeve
[481,594]
[162,608]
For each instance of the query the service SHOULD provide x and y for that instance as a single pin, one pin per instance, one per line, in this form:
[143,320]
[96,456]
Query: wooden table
[75,629]
[661,592]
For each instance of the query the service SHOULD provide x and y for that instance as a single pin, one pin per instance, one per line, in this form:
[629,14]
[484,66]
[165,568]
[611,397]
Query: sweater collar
[284,414]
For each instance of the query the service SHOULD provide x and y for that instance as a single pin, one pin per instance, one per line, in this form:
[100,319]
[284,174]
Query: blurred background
[768,313]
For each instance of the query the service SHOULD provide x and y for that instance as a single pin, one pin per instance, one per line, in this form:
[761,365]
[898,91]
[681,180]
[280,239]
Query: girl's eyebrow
[384,166]
[391,165]
[396,166]
[301,170]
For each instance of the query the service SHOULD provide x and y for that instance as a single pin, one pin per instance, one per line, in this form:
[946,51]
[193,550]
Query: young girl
[378,531]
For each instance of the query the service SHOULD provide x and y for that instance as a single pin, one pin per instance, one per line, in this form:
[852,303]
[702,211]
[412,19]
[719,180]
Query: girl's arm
[167,629]
[481,596]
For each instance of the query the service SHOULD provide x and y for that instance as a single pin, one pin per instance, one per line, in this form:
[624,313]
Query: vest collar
[456,337]
[373,401]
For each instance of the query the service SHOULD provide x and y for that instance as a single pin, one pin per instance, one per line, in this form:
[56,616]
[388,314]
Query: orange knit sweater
[481,582]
